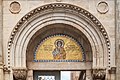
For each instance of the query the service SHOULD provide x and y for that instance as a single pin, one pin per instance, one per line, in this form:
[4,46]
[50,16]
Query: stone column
[1,71]
[1,30]
[88,74]
[6,73]
[112,73]
[1,56]
[30,75]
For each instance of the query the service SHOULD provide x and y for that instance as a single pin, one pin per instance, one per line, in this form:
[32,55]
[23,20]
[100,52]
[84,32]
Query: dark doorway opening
[60,75]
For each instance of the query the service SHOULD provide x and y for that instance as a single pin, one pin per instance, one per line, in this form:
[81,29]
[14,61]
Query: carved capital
[112,70]
[6,69]
[99,74]
[20,74]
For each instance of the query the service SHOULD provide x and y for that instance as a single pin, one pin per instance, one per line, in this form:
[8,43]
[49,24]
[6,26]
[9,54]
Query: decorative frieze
[20,74]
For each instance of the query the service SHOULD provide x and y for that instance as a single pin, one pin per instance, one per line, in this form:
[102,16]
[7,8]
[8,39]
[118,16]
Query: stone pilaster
[1,32]
[112,73]
[1,71]
[118,39]
[30,75]
[88,74]
[20,74]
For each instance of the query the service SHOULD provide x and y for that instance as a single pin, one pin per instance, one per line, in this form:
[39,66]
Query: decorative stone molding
[20,74]
[63,6]
[15,7]
[6,69]
[58,0]
[102,7]
[112,70]
[99,74]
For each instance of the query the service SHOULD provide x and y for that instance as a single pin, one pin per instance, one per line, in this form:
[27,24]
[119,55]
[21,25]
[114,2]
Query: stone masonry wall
[118,39]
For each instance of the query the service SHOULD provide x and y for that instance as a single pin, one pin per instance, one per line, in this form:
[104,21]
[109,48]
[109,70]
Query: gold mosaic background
[72,49]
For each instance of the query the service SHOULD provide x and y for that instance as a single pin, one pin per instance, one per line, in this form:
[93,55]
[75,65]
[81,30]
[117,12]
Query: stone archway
[63,14]
[59,30]
[63,30]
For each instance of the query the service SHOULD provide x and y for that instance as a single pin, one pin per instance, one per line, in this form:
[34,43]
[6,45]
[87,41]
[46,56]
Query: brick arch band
[50,7]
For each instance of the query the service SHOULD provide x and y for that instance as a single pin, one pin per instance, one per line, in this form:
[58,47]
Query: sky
[65,75]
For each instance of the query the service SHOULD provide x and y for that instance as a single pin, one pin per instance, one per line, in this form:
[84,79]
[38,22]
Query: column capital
[20,74]
[5,69]
[99,74]
[112,70]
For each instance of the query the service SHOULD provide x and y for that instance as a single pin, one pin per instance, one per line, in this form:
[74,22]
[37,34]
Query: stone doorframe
[52,14]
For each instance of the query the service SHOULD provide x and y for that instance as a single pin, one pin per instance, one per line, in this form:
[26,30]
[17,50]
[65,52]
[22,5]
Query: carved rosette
[20,74]
[15,7]
[102,7]
[99,74]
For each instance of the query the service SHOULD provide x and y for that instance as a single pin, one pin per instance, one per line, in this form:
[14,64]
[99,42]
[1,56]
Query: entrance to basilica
[60,75]
[56,52]
[56,38]
[46,75]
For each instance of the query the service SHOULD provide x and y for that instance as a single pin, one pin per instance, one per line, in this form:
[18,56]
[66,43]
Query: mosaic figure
[59,51]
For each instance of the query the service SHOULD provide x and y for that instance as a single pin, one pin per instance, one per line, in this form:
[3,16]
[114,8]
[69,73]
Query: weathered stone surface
[99,74]
[10,25]
[20,74]
[117,40]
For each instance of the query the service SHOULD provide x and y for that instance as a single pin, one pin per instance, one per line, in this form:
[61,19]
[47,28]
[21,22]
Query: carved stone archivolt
[51,8]
[20,74]
[99,74]
[64,6]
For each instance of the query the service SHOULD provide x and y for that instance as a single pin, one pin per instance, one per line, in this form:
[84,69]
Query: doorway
[60,75]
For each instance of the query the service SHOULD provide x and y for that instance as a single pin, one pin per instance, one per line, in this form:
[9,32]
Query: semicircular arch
[58,13]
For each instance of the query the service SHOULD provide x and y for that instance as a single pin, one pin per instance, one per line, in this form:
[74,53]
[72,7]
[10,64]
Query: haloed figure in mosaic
[59,51]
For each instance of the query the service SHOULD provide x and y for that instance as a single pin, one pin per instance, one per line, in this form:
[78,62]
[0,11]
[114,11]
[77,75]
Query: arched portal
[47,36]
[43,41]
[58,19]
